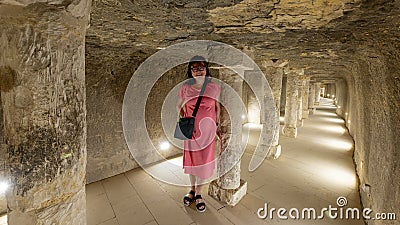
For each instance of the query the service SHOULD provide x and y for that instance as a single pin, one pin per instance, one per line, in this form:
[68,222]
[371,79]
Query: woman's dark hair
[193,60]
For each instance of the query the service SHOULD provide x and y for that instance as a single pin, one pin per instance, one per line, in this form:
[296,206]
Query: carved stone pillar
[300,87]
[274,75]
[305,93]
[43,95]
[311,99]
[229,188]
[290,127]
[317,93]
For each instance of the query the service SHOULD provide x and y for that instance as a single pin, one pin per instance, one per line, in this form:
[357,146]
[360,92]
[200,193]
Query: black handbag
[185,126]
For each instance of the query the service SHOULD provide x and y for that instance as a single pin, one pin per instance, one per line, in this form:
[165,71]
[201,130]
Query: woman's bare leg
[192,182]
[199,187]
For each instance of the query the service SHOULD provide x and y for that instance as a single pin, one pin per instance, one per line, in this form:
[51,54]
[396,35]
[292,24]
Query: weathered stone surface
[274,70]
[276,16]
[3,157]
[304,94]
[311,99]
[317,93]
[44,111]
[228,196]
[300,87]
[292,104]
[231,125]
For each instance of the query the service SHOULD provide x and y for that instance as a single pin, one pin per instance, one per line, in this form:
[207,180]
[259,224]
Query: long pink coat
[199,152]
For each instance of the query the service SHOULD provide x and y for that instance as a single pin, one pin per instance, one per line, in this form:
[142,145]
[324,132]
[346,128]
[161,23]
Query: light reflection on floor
[3,220]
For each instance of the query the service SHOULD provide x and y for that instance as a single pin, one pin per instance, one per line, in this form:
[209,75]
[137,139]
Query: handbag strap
[203,88]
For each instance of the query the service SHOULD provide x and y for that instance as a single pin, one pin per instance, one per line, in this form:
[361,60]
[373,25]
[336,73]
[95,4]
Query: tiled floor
[313,171]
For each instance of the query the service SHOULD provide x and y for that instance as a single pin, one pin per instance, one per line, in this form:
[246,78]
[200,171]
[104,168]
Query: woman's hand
[180,108]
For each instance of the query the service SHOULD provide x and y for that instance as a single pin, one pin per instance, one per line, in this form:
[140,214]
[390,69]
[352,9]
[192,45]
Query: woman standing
[198,154]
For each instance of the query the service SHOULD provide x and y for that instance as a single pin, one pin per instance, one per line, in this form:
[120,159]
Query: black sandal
[201,206]
[187,199]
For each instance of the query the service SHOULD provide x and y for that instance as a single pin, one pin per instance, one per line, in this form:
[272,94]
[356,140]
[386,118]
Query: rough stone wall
[3,200]
[110,62]
[44,110]
[155,102]
[108,71]
[276,16]
[375,127]
[107,74]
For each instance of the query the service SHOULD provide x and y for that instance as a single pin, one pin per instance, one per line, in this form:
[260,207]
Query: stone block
[289,131]
[274,152]
[299,123]
[228,196]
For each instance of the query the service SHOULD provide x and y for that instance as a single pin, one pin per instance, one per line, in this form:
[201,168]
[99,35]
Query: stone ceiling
[323,36]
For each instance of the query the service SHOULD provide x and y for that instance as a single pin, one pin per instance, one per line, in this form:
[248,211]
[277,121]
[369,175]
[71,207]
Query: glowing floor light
[278,152]
[3,187]
[164,146]
[334,129]
[333,120]
[339,144]
[338,175]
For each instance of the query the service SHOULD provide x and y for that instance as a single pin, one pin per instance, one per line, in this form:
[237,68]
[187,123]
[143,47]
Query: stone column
[290,127]
[253,105]
[305,93]
[229,188]
[331,90]
[300,102]
[327,90]
[42,73]
[311,99]
[283,95]
[317,93]
[274,76]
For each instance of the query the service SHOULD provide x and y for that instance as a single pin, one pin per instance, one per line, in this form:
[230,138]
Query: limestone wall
[3,201]
[108,72]
[43,96]
[373,106]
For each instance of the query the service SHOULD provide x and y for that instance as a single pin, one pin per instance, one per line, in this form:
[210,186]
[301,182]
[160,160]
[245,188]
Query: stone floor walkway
[313,171]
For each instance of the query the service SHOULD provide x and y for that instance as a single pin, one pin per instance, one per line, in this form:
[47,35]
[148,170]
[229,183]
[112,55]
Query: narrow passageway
[313,171]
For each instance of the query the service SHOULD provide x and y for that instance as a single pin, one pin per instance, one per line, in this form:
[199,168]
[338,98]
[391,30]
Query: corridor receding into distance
[314,170]
[91,90]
